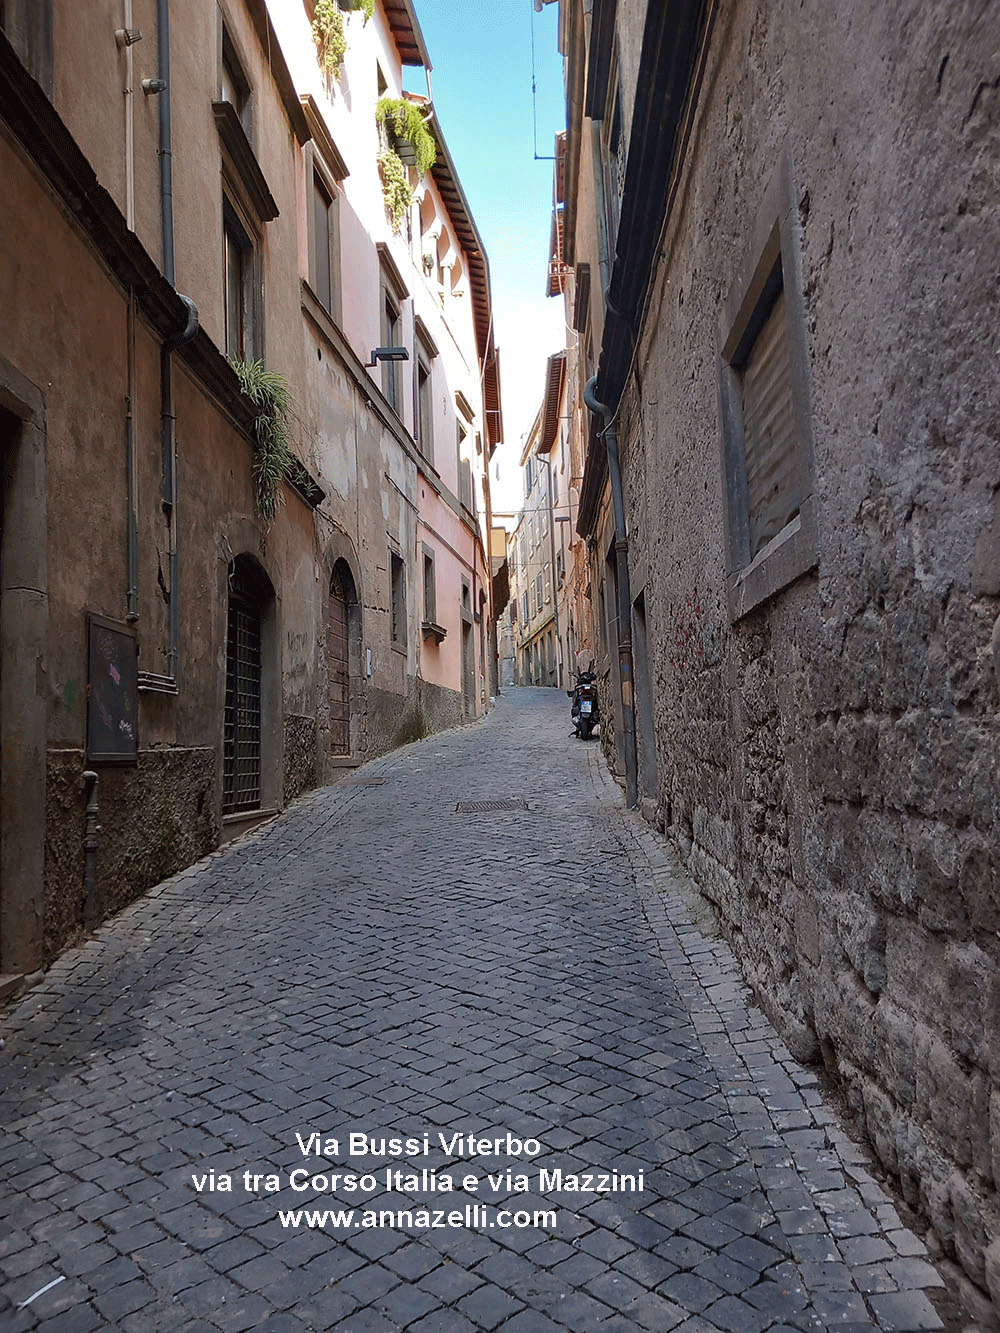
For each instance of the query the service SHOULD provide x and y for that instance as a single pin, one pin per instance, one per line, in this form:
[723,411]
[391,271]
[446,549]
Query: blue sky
[482,87]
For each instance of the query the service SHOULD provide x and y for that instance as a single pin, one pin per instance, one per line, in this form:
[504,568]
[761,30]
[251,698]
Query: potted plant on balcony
[407,144]
[406,132]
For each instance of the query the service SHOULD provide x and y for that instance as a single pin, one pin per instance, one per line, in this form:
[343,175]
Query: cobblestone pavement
[377,962]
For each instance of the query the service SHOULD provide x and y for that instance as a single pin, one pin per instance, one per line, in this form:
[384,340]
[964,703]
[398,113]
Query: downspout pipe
[166,167]
[625,672]
[168,446]
[168,434]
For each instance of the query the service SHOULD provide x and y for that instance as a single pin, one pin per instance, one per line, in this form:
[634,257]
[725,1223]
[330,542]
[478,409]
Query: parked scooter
[584,709]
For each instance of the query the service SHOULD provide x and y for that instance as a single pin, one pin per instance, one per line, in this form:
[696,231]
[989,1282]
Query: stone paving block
[123,1299]
[529,1321]
[441,1321]
[836,1308]
[910,1310]
[489,1305]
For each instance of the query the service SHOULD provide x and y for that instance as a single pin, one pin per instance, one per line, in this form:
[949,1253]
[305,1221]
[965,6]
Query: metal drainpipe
[166,170]
[169,456]
[624,591]
[168,435]
[131,469]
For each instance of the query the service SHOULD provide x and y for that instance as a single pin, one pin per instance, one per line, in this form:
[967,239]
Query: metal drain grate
[487,807]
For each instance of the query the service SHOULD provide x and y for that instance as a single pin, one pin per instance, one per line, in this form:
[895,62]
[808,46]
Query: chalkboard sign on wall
[112,696]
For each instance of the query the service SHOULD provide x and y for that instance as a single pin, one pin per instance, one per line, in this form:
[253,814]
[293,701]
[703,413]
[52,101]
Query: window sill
[430,630]
[786,557]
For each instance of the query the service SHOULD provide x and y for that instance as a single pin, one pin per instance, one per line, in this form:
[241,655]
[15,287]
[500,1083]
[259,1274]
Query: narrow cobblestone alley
[380,962]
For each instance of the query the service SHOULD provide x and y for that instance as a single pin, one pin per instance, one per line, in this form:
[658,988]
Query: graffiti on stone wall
[696,635]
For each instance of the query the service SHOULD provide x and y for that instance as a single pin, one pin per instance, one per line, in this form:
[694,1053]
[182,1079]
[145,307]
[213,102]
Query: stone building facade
[186,189]
[786,219]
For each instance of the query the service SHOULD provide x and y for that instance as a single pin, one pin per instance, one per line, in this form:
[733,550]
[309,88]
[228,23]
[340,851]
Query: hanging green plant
[396,188]
[273,460]
[404,122]
[367,7]
[329,36]
[406,142]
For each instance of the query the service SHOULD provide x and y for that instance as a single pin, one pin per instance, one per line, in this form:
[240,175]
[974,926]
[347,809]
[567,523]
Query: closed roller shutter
[768,423]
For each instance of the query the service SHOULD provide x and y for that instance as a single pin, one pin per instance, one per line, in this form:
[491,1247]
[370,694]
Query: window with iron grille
[767,451]
[241,751]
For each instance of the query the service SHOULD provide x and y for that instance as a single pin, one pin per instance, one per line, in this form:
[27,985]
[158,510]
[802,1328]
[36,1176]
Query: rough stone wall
[155,819]
[392,720]
[828,764]
[300,758]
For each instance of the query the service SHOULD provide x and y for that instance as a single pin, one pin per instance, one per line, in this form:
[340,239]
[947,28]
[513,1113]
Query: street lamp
[387,354]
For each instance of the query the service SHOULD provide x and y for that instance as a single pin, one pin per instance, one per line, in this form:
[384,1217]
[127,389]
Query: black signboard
[112,696]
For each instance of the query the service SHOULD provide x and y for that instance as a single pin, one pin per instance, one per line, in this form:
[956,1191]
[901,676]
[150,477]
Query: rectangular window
[773,490]
[241,331]
[234,86]
[324,251]
[392,294]
[430,593]
[392,332]
[524,609]
[538,591]
[425,405]
[397,576]
[766,430]
[614,157]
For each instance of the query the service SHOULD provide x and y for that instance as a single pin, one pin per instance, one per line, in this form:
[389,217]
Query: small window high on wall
[767,449]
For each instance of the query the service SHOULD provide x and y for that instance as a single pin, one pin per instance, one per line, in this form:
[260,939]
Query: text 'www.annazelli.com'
[417,1219]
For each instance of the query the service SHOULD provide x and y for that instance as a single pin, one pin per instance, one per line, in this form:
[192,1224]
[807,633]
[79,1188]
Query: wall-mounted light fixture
[152,86]
[387,354]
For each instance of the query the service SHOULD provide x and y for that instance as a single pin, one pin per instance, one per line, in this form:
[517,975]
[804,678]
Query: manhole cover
[487,807]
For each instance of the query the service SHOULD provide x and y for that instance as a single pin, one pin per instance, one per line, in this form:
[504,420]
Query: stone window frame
[325,171]
[393,294]
[773,256]
[247,342]
[425,356]
[233,78]
[397,600]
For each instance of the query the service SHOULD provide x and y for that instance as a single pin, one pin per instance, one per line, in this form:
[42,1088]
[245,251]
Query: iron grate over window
[487,807]
[241,740]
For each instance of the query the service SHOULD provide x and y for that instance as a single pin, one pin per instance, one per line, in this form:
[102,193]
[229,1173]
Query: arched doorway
[341,615]
[250,593]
